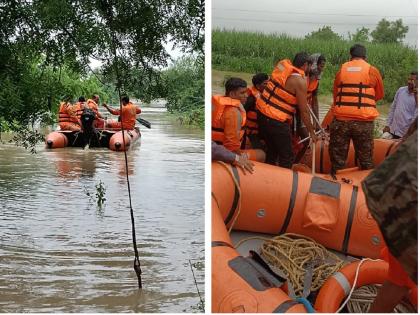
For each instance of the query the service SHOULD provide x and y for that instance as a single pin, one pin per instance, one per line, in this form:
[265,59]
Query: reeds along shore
[257,52]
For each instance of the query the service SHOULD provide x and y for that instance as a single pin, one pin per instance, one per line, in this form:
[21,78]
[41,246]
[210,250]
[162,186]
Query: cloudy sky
[300,17]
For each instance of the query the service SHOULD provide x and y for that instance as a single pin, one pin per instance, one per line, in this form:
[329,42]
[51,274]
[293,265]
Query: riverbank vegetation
[184,90]
[47,50]
[256,52]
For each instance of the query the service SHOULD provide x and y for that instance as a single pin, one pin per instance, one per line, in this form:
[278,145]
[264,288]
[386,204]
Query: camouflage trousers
[391,196]
[361,132]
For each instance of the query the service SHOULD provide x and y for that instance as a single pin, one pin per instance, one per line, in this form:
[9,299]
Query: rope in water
[292,253]
[136,265]
[363,297]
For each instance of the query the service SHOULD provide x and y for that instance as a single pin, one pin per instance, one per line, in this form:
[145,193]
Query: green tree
[183,88]
[324,33]
[361,35]
[40,40]
[389,32]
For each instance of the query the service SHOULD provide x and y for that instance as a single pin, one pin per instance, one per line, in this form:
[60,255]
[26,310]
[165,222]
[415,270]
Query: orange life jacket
[355,98]
[275,102]
[251,114]
[219,104]
[63,114]
[93,106]
[78,109]
[128,115]
[312,86]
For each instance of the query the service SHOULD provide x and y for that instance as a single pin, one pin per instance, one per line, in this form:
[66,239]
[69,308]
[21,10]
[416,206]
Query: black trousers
[278,138]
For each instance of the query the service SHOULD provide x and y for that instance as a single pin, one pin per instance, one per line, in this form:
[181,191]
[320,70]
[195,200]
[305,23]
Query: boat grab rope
[238,187]
[293,253]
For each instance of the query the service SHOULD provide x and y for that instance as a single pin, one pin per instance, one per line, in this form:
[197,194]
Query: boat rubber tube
[276,200]
[118,142]
[381,150]
[56,139]
[238,283]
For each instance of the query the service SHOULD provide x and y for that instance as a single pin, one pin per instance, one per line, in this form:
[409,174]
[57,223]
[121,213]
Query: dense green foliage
[46,47]
[323,33]
[255,52]
[360,36]
[34,92]
[389,32]
[183,88]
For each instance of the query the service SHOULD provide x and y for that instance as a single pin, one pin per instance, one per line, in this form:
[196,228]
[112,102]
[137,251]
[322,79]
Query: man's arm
[220,153]
[111,110]
[302,101]
[99,114]
[232,141]
[376,81]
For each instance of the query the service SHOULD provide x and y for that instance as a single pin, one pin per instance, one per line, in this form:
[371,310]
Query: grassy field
[249,53]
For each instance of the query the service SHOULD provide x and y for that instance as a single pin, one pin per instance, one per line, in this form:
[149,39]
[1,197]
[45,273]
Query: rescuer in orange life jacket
[92,103]
[357,87]
[228,119]
[66,118]
[73,113]
[259,81]
[313,74]
[285,92]
[127,114]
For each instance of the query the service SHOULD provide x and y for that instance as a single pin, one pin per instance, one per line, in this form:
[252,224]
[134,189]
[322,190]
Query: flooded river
[60,252]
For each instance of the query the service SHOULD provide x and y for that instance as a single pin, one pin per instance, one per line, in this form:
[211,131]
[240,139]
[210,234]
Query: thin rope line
[196,285]
[137,266]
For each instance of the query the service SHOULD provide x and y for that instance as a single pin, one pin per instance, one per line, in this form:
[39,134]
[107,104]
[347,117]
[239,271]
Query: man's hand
[243,163]
[386,129]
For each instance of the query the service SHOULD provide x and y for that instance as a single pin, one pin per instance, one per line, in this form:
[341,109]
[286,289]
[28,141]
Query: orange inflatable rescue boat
[275,200]
[107,138]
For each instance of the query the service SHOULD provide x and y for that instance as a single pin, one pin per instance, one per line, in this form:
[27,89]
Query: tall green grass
[257,52]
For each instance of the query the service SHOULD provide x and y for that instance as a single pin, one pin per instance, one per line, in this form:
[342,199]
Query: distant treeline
[257,52]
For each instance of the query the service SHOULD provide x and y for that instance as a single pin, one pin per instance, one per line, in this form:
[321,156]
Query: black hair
[82,99]
[358,50]
[414,72]
[259,78]
[233,84]
[321,58]
[125,99]
[300,59]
